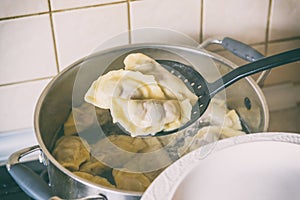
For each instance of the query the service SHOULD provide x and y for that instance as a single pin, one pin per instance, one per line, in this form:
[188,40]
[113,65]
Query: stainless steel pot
[56,101]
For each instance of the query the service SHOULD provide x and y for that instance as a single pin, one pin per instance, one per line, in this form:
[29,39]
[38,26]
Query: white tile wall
[29,52]
[79,32]
[17,104]
[9,8]
[286,73]
[243,20]
[284,22]
[26,48]
[66,4]
[176,15]
[289,123]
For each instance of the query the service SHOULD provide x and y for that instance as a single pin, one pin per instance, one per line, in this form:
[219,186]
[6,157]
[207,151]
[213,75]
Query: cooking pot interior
[67,91]
[69,87]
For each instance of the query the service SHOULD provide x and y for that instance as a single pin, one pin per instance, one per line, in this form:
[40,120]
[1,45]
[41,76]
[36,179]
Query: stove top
[9,190]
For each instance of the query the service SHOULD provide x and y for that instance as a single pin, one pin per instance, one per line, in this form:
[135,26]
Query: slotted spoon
[206,91]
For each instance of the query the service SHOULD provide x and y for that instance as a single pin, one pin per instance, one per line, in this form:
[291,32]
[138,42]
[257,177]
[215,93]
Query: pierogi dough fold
[172,86]
[144,117]
[71,152]
[123,84]
[144,98]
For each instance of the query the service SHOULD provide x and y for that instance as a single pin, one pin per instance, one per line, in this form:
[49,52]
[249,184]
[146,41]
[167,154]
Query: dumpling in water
[71,152]
[131,181]
[95,179]
[148,162]
[217,114]
[144,117]
[153,144]
[122,84]
[84,117]
[69,125]
[232,120]
[94,167]
[152,175]
[211,134]
[172,86]
[116,150]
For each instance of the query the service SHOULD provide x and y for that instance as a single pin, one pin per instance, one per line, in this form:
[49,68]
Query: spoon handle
[252,68]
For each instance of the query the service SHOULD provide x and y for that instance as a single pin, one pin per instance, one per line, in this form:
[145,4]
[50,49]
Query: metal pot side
[55,104]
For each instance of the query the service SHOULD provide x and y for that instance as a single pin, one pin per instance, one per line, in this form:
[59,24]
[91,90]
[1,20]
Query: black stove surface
[9,189]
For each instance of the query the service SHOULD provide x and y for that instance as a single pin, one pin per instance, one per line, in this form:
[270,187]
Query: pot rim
[49,155]
[254,85]
[132,47]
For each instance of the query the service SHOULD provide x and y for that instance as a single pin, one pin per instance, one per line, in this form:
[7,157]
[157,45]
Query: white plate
[261,166]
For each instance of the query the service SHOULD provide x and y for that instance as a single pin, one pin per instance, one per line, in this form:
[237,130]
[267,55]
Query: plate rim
[182,166]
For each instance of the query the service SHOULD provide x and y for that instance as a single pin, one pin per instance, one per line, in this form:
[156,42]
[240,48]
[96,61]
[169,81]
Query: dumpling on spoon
[123,84]
[147,117]
[172,86]
[144,98]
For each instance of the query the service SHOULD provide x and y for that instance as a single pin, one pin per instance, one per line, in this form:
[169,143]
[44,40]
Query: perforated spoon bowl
[206,91]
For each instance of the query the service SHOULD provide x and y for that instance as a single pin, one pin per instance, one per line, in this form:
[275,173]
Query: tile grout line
[275,92]
[90,6]
[53,37]
[263,75]
[26,81]
[62,10]
[129,21]
[268,27]
[284,39]
[23,16]
[201,20]
[269,42]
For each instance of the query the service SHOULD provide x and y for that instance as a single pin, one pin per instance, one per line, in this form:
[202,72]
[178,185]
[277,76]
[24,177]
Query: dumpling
[149,161]
[232,120]
[96,179]
[217,114]
[102,181]
[122,84]
[84,175]
[117,150]
[103,115]
[126,143]
[209,134]
[69,125]
[71,152]
[131,181]
[172,86]
[94,167]
[84,117]
[152,175]
[153,144]
[144,98]
[144,117]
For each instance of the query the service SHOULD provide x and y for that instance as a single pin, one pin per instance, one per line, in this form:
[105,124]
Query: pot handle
[31,183]
[241,50]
